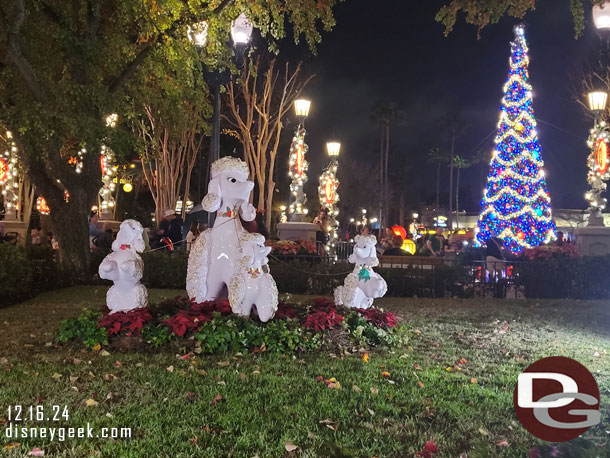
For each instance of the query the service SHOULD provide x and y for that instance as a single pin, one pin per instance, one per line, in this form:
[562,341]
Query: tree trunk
[387,184]
[450,216]
[70,223]
[457,198]
[438,184]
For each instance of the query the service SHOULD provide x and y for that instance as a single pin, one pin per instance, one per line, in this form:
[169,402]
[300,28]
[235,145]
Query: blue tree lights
[516,204]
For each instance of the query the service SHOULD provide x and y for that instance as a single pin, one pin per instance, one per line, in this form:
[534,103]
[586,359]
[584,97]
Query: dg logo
[557,399]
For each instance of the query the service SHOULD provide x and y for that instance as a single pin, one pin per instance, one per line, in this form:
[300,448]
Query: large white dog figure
[250,284]
[215,254]
[363,285]
[124,267]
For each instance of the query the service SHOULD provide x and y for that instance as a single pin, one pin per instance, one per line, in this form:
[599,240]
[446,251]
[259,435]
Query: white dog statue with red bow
[363,285]
[124,267]
[215,255]
[252,284]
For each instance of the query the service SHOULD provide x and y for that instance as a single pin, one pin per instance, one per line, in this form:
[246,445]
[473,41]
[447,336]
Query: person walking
[192,235]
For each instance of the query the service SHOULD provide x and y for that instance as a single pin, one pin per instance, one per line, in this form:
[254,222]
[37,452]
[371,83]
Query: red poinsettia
[286,311]
[379,318]
[321,320]
[190,319]
[129,322]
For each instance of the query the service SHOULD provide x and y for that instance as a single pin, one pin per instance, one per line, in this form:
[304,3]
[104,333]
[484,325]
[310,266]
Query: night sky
[394,50]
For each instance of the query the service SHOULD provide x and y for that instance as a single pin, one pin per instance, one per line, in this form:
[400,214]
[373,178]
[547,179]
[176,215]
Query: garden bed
[211,328]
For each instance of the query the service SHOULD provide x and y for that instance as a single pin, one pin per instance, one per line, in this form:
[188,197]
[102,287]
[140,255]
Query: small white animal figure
[214,255]
[363,285]
[125,267]
[251,285]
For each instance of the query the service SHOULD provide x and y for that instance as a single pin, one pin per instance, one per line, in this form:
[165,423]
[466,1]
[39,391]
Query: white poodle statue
[215,254]
[250,284]
[363,285]
[124,267]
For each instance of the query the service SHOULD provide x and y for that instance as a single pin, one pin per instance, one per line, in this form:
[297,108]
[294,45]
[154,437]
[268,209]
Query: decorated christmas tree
[516,205]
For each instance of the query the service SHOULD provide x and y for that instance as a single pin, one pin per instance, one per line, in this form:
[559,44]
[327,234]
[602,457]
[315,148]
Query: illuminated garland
[598,163]
[298,166]
[329,197]
[108,171]
[9,175]
[516,203]
[42,207]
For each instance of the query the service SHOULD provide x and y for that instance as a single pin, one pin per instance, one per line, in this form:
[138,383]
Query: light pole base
[592,241]
[596,219]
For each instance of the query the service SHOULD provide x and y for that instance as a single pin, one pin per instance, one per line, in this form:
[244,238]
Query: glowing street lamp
[241,30]
[601,16]
[297,164]
[597,100]
[301,108]
[333,148]
[198,34]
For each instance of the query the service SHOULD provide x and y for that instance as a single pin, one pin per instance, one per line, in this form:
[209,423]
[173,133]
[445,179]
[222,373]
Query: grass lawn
[257,404]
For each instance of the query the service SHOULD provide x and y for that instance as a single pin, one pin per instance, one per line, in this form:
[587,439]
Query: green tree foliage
[483,12]
[64,66]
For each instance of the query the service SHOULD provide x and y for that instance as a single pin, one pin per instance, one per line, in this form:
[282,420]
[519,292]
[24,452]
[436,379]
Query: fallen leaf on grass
[56,376]
[374,391]
[73,379]
[170,369]
[223,363]
[12,445]
[217,398]
[365,357]
[420,383]
[118,364]
[290,447]
[36,452]
[242,376]
[502,443]
[474,381]
[385,374]
[256,373]
[483,431]
[90,402]
[201,372]
[96,347]
[104,353]
[110,377]
[356,389]
[449,369]
[596,355]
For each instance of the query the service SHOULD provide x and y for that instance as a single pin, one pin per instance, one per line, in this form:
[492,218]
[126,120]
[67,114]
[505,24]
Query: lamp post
[328,195]
[597,142]
[298,164]
[241,30]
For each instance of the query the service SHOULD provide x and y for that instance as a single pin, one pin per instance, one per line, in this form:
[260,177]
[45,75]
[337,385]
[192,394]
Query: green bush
[165,269]
[84,328]
[557,278]
[15,274]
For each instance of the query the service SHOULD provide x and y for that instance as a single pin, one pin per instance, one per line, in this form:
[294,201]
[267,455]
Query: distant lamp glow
[333,148]
[241,29]
[301,107]
[519,29]
[601,16]
[127,187]
[598,99]
[198,34]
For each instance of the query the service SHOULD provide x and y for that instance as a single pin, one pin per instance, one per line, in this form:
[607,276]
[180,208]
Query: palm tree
[385,114]
[438,157]
[459,163]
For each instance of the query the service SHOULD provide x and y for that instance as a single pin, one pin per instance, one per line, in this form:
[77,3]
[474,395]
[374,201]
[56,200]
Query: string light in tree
[9,174]
[42,207]
[108,172]
[516,204]
[329,197]
[298,165]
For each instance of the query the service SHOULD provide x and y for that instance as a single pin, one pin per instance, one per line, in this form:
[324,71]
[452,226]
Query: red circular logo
[601,156]
[557,399]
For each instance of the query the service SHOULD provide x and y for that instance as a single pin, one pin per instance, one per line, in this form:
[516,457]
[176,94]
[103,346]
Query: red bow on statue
[124,247]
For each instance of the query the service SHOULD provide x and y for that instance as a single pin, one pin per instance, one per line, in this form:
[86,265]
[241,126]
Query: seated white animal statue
[250,284]
[124,267]
[363,285]
[215,254]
